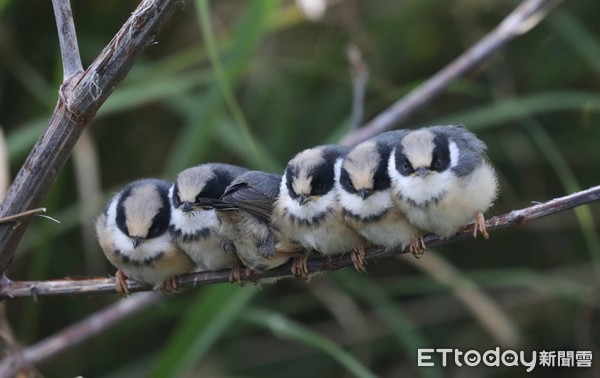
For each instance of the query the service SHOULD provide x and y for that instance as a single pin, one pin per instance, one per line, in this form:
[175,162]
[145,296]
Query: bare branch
[360,76]
[67,37]
[78,103]
[521,20]
[76,333]
[13,217]
[86,286]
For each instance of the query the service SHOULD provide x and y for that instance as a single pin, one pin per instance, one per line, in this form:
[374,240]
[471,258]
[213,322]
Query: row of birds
[387,191]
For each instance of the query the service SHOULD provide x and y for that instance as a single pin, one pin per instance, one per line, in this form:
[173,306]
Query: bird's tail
[217,204]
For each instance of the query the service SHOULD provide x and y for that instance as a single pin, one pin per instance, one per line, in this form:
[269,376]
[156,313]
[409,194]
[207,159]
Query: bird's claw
[300,266]
[358,259]
[480,226]
[417,247]
[121,283]
[170,286]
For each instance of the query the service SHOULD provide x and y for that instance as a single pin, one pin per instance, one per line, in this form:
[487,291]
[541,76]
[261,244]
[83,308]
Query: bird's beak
[186,207]
[422,171]
[302,199]
[136,241]
[365,193]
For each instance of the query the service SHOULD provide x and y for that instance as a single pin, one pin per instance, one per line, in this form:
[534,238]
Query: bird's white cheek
[121,241]
[311,209]
[420,189]
[350,202]
[155,245]
[377,203]
[191,222]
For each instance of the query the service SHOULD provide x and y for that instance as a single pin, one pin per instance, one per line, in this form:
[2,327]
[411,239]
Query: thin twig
[78,102]
[104,319]
[67,37]
[77,333]
[10,218]
[360,76]
[4,165]
[86,286]
[521,20]
[86,164]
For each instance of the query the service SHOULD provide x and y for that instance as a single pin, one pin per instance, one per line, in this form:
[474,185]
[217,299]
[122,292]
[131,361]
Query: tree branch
[80,97]
[86,286]
[521,20]
[76,333]
[67,38]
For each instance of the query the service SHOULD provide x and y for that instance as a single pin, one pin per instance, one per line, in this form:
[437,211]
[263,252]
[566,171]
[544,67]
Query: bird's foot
[170,286]
[121,283]
[417,247]
[358,259]
[300,266]
[480,226]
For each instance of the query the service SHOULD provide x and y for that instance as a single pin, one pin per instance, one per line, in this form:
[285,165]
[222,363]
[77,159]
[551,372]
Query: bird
[195,230]
[308,212]
[245,210]
[133,234]
[441,179]
[365,195]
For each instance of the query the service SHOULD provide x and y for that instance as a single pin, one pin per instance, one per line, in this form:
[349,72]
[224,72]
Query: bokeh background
[535,103]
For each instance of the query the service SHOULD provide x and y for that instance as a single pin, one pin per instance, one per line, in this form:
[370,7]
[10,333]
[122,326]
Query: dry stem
[86,286]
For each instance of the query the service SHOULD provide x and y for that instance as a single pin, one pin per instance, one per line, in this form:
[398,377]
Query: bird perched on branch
[245,210]
[365,195]
[196,230]
[441,179]
[133,234]
[308,211]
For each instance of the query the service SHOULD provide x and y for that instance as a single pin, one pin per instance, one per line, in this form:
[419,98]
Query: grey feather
[472,149]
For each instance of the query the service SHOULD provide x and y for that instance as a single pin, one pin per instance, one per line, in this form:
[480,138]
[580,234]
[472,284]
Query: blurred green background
[288,85]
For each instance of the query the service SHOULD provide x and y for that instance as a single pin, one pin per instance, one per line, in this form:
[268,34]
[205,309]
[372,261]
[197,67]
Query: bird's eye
[318,188]
[437,164]
[349,182]
[176,201]
[154,230]
[406,166]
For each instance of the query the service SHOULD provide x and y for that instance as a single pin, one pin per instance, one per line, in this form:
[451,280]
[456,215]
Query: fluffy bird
[196,230]
[441,179]
[133,234]
[308,211]
[365,195]
[245,210]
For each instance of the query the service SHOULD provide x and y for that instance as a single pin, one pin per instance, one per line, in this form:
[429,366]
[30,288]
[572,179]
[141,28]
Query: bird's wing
[250,200]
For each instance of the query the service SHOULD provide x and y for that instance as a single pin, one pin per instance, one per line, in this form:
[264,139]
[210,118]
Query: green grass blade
[285,328]
[524,107]
[580,39]
[228,137]
[222,79]
[204,322]
[160,88]
[567,178]
[409,338]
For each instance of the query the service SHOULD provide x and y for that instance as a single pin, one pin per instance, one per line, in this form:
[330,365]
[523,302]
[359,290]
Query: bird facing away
[195,230]
[441,179]
[308,211]
[133,234]
[245,210]
[365,195]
